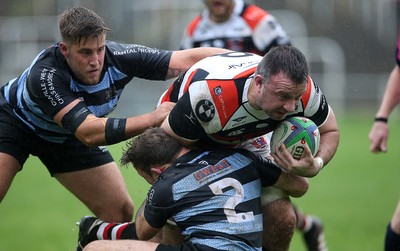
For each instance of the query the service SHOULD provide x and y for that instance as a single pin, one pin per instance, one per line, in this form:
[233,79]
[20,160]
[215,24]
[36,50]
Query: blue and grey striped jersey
[48,85]
[214,197]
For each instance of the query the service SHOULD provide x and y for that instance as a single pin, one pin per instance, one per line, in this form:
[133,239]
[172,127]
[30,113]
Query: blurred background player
[239,26]
[212,196]
[379,136]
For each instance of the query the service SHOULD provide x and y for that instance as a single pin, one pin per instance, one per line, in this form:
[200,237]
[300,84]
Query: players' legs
[395,222]
[170,234]
[279,219]
[102,189]
[9,167]
[392,237]
[121,245]
[312,230]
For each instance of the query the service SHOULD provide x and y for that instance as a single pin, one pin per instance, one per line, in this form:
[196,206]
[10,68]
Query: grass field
[355,196]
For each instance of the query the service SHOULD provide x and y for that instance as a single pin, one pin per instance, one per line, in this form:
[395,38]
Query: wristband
[115,130]
[319,162]
[381,119]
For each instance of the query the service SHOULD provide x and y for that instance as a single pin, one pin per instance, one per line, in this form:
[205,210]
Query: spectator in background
[379,136]
[238,26]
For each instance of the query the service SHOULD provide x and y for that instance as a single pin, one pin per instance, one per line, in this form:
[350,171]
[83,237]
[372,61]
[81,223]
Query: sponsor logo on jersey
[238,121]
[262,125]
[236,133]
[259,142]
[218,90]
[191,117]
[205,110]
[211,170]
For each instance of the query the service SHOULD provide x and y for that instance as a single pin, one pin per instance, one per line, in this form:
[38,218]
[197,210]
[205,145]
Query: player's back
[217,198]
[226,66]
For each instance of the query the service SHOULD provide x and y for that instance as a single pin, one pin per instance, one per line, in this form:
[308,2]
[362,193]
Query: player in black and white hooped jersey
[246,96]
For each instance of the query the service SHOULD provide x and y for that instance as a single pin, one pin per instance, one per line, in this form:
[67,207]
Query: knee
[281,215]
[116,213]
[127,211]
[279,224]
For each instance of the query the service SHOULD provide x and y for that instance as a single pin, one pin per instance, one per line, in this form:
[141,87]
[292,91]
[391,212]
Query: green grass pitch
[355,195]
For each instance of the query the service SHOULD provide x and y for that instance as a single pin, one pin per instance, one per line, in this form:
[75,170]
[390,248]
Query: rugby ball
[296,133]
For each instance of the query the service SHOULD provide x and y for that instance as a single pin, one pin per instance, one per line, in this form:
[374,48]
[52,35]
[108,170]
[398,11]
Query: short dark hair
[79,23]
[285,59]
[153,147]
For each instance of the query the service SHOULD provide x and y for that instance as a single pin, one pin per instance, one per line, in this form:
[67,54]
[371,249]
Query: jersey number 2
[232,202]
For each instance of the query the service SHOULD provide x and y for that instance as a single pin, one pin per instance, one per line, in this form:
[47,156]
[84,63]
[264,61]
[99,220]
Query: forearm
[328,145]
[329,139]
[107,131]
[391,96]
[143,230]
[183,59]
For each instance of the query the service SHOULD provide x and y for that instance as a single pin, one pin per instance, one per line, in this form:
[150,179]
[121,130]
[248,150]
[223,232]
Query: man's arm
[309,166]
[293,185]
[143,229]
[183,141]
[380,131]
[182,60]
[94,131]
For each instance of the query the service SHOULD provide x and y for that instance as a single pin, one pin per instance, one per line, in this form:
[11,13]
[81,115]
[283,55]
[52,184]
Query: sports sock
[116,231]
[392,240]
[305,225]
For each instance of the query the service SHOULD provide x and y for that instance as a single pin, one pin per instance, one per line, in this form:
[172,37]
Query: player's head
[220,10]
[83,35]
[281,79]
[79,23]
[284,59]
[149,151]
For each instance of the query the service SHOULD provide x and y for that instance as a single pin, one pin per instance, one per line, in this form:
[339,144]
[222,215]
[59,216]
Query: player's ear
[258,79]
[157,169]
[64,49]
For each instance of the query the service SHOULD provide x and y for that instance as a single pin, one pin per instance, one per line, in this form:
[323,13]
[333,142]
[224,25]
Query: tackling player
[213,196]
[56,110]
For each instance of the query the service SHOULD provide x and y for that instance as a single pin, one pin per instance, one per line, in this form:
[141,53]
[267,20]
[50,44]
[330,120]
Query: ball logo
[297,152]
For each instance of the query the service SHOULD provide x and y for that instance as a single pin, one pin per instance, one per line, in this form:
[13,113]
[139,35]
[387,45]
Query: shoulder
[253,14]
[226,65]
[118,49]
[314,103]
[192,26]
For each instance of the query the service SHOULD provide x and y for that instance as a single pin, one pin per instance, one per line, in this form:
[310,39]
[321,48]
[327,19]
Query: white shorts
[261,146]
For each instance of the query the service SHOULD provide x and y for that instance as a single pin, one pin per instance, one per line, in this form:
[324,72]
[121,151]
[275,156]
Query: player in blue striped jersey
[212,196]
[56,110]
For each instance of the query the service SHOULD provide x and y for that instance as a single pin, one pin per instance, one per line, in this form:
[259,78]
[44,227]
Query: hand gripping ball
[296,133]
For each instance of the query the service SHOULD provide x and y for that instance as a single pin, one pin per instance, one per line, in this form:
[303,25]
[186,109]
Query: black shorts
[19,141]
[187,246]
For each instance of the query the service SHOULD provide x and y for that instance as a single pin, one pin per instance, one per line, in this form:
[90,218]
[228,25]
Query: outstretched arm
[379,133]
[94,131]
[182,60]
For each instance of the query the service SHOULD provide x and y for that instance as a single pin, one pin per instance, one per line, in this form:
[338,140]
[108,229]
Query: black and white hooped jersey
[249,29]
[214,197]
[212,104]
[48,85]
